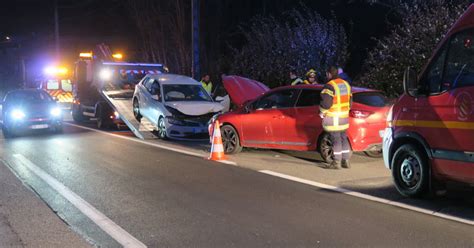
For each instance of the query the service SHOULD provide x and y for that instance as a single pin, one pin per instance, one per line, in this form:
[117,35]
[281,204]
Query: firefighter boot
[345,164]
[334,165]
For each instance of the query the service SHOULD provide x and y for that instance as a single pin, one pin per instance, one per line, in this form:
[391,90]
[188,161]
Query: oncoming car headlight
[56,112]
[18,114]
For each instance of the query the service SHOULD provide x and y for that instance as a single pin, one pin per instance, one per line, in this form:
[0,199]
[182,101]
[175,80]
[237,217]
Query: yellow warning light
[85,55]
[55,71]
[117,56]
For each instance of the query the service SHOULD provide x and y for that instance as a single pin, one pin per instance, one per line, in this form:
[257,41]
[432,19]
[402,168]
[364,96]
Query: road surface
[163,198]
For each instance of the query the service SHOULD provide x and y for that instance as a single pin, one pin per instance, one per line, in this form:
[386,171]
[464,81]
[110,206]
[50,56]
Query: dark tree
[300,39]
[410,43]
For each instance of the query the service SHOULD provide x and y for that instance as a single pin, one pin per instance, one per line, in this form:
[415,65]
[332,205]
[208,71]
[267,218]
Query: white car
[178,106]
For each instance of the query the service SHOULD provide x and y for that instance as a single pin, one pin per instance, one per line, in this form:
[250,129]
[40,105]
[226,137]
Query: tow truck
[103,90]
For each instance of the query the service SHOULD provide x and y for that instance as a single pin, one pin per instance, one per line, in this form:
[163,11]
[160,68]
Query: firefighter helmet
[311,73]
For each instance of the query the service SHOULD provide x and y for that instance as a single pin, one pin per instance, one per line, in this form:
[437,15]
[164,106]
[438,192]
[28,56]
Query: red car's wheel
[325,148]
[374,154]
[230,140]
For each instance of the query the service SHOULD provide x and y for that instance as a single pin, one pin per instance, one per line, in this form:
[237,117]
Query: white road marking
[367,197]
[106,224]
[182,151]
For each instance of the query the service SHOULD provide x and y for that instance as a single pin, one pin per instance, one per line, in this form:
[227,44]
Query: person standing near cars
[311,77]
[206,83]
[334,109]
[295,80]
[344,75]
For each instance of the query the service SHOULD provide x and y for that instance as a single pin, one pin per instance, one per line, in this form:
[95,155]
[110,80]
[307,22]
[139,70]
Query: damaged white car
[178,106]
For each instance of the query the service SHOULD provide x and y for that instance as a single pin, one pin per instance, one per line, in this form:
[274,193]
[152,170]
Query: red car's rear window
[373,99]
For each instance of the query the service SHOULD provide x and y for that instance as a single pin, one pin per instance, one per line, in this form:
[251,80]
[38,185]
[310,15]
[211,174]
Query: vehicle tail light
[360,114]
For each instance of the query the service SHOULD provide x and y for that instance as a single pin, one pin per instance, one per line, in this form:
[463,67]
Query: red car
[287,118]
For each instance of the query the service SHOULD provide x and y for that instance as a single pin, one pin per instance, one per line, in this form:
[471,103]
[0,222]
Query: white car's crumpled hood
[196,108]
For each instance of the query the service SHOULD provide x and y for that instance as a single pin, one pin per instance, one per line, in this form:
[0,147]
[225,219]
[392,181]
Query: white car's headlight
[18,114]
[56,112]
[174,121]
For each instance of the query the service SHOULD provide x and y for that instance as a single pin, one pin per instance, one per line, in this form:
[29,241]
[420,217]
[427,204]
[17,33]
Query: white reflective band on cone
[218,148]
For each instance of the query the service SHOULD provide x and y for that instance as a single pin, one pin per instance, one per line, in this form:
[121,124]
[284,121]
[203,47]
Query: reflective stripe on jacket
[338,93]
[207,87]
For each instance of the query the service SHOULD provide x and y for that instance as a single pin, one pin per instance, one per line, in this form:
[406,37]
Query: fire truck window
[66,85]
[460,61]
[308,98]
[431,83]
[52,84]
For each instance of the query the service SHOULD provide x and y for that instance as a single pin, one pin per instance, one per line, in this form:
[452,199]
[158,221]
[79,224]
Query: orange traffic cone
[217,149]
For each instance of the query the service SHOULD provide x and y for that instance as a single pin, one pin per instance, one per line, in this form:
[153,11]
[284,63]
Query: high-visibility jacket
[335,105]
[306,81]
[207,86]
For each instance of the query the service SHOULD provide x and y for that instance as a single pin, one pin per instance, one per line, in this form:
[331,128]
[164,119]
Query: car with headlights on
[177,105]
[29,109]
[287,118]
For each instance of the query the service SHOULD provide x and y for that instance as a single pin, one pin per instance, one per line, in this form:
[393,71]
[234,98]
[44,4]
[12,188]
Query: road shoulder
[25,220]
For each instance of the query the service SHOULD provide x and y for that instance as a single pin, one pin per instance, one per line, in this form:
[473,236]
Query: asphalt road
[167,199]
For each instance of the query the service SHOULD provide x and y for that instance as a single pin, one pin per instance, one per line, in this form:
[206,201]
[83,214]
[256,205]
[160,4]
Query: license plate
[42,126]
[381,133]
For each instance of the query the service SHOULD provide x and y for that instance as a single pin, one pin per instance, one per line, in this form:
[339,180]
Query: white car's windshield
[183,92]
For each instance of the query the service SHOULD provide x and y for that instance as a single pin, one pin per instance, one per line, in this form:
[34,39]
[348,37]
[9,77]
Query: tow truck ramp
[121,102]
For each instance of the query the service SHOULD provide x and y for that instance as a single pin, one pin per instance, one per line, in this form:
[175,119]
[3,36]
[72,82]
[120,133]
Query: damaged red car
[287,118]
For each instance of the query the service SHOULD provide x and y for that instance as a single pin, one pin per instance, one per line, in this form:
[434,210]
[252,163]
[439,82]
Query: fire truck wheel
[410,171]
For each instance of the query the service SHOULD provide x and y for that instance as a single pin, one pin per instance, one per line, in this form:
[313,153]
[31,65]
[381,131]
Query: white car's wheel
[136,110]
[162,129]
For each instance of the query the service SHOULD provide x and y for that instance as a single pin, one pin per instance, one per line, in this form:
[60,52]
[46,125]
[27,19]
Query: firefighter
[344,75]
[311,77]
[206,83]
[295,80]
[336,98]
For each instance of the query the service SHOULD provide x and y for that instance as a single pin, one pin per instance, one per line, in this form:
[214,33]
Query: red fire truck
[56,81]
[429,138]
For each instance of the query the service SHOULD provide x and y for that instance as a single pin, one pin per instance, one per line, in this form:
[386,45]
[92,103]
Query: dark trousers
[340,145]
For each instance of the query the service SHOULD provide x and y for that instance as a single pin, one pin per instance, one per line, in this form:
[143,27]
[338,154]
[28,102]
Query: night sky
[87,22]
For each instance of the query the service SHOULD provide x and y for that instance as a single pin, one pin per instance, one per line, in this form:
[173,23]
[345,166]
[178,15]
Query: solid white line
[106,224]
[367,197]
[182,151]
